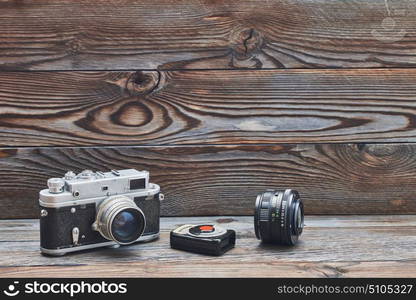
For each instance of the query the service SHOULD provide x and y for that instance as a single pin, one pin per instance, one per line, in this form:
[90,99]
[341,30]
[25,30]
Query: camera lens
[120,220]
[125,226]
[278,217]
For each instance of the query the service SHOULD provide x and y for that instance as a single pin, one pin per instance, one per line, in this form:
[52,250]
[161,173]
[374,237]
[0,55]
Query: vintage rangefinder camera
[91,210]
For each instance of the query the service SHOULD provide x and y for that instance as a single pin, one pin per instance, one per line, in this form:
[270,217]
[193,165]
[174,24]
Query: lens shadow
[281,248]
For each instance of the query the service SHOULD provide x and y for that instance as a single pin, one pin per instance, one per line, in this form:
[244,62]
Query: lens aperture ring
[285,219]
[265,214]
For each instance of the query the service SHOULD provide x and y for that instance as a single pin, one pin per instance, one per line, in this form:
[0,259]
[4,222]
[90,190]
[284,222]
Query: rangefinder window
[136,184]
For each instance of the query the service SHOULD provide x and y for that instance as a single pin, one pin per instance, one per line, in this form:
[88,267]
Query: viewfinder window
[136,184]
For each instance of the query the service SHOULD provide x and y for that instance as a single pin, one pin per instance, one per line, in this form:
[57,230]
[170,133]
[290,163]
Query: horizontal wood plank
[333,246]
[195,34]
[207,107]
[224,180]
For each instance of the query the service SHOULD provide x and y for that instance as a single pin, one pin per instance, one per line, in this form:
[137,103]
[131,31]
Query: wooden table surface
[331,246]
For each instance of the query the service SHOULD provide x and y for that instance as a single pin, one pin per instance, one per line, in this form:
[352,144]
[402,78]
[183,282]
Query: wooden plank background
[206,34]
[218,99]
[207,107]
[224,180]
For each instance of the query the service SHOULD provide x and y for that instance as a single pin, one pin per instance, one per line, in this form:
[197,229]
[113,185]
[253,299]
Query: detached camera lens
[120,220]
[278,217]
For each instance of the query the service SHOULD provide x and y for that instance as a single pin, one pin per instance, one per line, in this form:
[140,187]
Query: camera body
[96,209]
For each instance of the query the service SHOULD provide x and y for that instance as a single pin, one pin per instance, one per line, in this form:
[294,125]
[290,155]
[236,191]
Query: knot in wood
[383,150]
[73,46]
[246,42]
[245,45]
[143,82]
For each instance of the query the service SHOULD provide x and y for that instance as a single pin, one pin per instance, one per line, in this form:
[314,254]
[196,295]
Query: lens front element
[125,226]
[119,219]
[297,225]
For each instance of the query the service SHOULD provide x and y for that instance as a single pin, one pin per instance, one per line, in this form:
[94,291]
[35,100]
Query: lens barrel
[278,217]
[119,219]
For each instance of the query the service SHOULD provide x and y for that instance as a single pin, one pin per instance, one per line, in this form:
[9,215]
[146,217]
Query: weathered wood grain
[202,34]
[224,180]
[207,107]
[334,246]
[223,268]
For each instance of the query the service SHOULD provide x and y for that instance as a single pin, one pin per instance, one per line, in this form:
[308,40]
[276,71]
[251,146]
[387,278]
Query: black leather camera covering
[56,227]
[151,211]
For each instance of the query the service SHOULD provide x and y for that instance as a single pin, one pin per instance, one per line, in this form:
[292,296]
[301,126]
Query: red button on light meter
[206,228]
